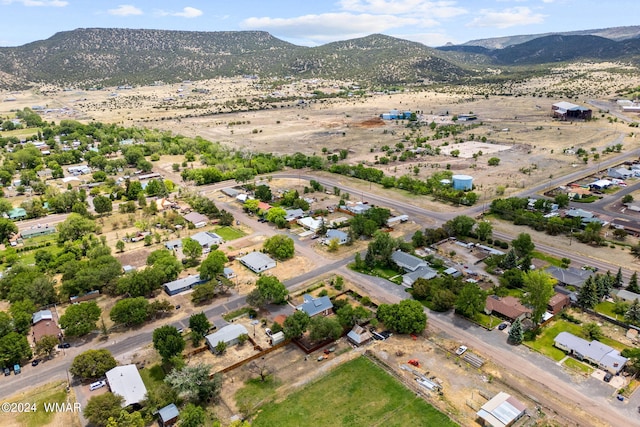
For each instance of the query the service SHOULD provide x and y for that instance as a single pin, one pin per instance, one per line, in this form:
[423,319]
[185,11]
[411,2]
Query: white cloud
[125,10]
[38,3]
[328,26]
[506,18]
[187,12]
[433,9]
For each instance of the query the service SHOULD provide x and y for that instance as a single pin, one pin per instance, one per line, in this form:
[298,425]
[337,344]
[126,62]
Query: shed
[127,382]
[359,335]
[258,262]
[228,273]
[558,302]
[501,411]
[228,335]
[277,338]
[168,415]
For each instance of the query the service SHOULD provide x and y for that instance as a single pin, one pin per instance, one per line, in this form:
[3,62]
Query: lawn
[544,341]
[578,366]
[229,233]
[380,271]
[152,377]
[358,393]
[487,321]
[255,393]
[606,308]
[51,393]
[548,258]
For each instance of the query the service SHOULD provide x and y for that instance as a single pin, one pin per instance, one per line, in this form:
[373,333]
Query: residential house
[315,306]
[415,268]
[182,285]
[558,302]
[37,231]
[625,295]
[263,206]
[45,174]
[342,237]
[16,214]
[207,240]
[311,224]
[595,352]
[257,262]
[293,214]
[503,410]
[163,204]
[230,191]
[43,324]
[127,382]
[359,335]
[358,208]
[570,276]
[620,173]
[197,219]
[508,307]
[407,261]
[229,335]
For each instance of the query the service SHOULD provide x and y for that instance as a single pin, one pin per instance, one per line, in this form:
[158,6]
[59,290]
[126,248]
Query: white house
[228,335]
[257,262]
[342,237]
[127,382]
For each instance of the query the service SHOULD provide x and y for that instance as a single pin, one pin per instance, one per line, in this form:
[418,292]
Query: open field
[346,390]
[54,393]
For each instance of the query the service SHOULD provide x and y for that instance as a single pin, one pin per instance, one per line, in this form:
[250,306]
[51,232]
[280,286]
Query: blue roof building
[314,306]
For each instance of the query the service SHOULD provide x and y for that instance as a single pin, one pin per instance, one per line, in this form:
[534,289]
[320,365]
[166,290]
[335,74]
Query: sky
[316,22]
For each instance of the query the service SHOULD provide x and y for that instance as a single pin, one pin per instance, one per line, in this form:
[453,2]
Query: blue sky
[315,22]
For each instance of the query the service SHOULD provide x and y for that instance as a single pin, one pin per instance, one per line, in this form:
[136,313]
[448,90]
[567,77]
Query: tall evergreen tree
[516,333]
[633,313]
[618,282]
[633,283]
[588,294]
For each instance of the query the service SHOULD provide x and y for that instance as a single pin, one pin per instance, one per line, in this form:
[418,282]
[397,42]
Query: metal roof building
[257,262]
[182,285]
[501,411]
[127,382]
[228,335]
[314,306]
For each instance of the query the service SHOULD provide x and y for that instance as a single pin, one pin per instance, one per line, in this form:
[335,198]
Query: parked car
[64,345]
[460,351]
[607,377]
[97,385]
[35,362]
[503,326]
[7,372]
[17,369]
[268,332]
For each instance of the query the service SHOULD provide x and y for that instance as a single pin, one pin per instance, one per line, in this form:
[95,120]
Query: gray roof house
[314,306]
[336,234]
[578,213]
[207,239]
[625,295]
[182,285]
[407,261]
[228,335]
[127,382]
[621,173]
[570,276]
[605,357]
[257,262]
[427,273]
[293,214]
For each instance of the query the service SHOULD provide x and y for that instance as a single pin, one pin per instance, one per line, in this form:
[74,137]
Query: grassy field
[487,321]
[229,233]
[357,393]
[548,258]
[51,393]
[606,308]
[544,342]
